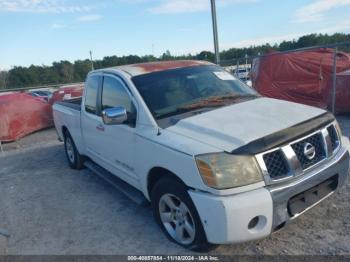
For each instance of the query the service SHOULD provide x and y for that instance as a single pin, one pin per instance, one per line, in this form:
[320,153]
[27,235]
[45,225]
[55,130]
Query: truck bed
[74,103]
[66,114]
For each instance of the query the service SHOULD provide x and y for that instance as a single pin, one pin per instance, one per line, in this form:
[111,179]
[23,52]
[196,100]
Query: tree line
[67,72]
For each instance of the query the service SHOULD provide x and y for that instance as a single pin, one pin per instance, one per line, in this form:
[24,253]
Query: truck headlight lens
[222,170]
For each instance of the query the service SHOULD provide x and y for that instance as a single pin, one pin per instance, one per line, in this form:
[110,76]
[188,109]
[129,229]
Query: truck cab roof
[151,67]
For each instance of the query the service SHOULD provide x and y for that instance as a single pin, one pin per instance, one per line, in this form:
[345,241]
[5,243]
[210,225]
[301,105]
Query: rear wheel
[176,214]
[75,160]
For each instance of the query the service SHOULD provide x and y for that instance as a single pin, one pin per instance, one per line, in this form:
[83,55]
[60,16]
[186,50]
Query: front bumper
[256,214]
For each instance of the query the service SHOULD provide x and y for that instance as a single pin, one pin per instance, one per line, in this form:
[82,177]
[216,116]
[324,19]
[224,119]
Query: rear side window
[91,94]
[114,94]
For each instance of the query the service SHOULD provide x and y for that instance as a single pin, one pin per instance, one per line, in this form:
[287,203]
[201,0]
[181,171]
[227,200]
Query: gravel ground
[41,138]
[47,208]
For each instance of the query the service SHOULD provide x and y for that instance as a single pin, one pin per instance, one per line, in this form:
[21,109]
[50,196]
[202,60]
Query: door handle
[100,127]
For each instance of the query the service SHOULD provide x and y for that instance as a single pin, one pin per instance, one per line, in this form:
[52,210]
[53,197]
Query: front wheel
[176,214]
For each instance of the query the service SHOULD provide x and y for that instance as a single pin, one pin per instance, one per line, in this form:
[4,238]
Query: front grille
[316,141]
[295,158]
[276,164]
[333,136]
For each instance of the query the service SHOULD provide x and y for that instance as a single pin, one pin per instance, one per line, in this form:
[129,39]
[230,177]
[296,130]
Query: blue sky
[42,31]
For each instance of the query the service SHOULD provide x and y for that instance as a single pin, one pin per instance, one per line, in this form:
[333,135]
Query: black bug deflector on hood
[285,135]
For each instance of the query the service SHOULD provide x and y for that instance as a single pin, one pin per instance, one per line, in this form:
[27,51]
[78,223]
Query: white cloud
[89,18]
[185,29]
[190,6]
[58,26]
[339,27]
[316,10]
[343,26]
[180,6]
[135,1]
[263,40]
[42,6]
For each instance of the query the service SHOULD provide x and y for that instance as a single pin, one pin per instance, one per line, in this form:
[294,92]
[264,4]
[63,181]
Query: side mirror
[114,116]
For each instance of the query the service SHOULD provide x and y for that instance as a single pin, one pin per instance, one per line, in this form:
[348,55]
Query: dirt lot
[47,208]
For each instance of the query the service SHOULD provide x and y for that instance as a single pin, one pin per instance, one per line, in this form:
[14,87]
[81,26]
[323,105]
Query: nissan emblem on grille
[309,151]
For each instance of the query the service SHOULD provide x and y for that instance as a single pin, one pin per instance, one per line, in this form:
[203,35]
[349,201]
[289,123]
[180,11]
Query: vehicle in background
[242,73]
[44,95]
[218,162]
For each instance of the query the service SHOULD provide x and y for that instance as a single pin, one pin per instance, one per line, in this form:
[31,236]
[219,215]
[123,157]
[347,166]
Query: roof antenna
[159,133]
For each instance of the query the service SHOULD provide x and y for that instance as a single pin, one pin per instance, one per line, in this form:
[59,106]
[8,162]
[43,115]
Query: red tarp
[343,91]
[22,114]
[303,77]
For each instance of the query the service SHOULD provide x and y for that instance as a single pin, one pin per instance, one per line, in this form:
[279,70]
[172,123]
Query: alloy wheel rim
[177,219]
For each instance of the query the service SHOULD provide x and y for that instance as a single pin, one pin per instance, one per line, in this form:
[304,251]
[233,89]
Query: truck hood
[234,126]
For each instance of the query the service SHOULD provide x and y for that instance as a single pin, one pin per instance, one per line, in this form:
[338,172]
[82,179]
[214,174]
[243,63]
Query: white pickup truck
[218,162]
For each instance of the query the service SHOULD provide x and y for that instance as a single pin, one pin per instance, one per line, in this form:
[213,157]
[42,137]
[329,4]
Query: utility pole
[92,62]
[215,32]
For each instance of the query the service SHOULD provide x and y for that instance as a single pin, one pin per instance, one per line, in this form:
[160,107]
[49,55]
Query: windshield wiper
[210,102]
[215,101]
[177,111]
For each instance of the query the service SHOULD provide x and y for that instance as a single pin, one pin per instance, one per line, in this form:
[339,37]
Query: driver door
[117,142]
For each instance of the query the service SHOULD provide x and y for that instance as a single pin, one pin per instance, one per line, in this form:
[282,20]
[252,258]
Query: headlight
[222,170]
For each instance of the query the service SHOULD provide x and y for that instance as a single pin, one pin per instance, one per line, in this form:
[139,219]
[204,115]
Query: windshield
[176,91]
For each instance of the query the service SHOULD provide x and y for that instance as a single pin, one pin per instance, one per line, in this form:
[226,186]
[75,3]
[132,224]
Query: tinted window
[91,94]
[114,94]
[176,91]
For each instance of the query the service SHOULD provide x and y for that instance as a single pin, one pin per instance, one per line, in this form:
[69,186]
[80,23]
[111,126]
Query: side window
[114,94]
[91,94]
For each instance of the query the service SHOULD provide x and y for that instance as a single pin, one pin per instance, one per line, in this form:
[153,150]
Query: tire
[177,216]
[75,160]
